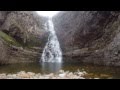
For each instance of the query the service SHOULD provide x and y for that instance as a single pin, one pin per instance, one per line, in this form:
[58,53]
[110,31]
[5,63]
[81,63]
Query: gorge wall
[84,36]
[90,36]
[22,36]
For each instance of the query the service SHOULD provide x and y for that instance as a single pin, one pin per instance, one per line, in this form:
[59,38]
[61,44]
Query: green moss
[8,39]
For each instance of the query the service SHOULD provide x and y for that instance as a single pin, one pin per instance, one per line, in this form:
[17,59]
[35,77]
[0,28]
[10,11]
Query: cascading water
[52,51]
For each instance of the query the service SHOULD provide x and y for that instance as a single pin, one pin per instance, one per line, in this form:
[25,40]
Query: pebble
[96,78]
[30,75]
[62,75]
[61,71]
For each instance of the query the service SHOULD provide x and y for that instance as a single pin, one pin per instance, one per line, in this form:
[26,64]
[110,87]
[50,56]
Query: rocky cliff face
[3,52]
[85,36]
[24,26]
[90,36]
[3,15]
[24,36]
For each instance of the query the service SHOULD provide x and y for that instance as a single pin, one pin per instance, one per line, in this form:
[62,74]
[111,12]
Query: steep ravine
[84,36]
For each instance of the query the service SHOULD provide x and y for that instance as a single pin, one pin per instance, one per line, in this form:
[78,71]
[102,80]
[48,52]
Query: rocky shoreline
[30,75]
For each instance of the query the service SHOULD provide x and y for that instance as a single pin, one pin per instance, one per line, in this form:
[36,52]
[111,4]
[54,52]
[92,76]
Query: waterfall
[52,51]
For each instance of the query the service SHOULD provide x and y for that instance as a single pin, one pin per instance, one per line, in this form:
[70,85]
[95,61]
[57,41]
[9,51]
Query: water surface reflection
[51,67]
[94,71]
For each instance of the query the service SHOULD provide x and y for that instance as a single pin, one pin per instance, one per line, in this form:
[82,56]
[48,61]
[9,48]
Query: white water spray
[52,51]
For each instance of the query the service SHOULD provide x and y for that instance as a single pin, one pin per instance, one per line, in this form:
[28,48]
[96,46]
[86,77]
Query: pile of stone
[30,75]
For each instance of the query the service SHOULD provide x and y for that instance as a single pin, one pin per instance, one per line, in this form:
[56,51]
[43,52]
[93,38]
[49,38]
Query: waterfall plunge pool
[94,71]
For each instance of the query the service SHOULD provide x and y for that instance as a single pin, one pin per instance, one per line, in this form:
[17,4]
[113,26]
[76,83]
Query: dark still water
[93,71]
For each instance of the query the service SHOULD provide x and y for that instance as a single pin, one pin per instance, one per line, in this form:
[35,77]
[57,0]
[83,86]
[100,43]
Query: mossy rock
[9,40]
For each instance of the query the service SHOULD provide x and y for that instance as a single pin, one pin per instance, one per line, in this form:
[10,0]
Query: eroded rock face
[89,36]
[85,36]
[23,32]
[24,26]
[3,53]
[3,15]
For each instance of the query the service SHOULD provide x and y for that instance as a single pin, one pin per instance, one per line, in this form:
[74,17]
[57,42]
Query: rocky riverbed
[30,75]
